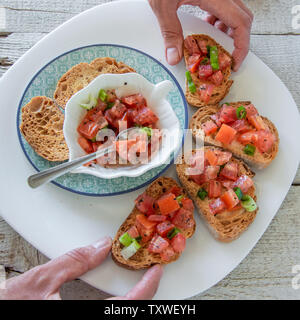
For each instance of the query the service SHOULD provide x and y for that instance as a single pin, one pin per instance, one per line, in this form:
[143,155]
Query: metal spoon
[43,177]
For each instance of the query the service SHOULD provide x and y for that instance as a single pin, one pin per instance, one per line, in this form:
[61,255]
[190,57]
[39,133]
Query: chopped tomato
[224,61]
[202,44]
[228,184]
[211,172]
[118,110]
[183,219]
[265,140]
[223,157]
[205,71]
[100,105]
[134,101]
[251,110]
[168,204]
[145,204]
[248,137]
[244,182]
[96,145]
[88,129]
[145,227]
[214,189]
[230,199]
[230,171]
[216,206]
[216,78]
[205,91]
[164,228]
[216,118]
[85,144]
[198,178]
[241,126]
[158,244]
[194,62]
[226,134]
[257,122]
[211,156]
[178,243]
[237,207]
[157,218]
[110,119]
[197,159]
[176,191]
[191,45]
[133,232]
[95,114]
[187,204]
[167,254]
[111,96]
[227,114]
[145,117]
[209,127]
[122,147]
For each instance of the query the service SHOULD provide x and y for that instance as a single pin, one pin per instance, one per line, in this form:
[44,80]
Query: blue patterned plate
[44,84]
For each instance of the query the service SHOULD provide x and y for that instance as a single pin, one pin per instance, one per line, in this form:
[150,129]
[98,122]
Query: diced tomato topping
[85,144]
[202,44]
[110,119]
[167,254]
[88,129]
[123,146]
[205,71]
[187,204]
[251,110]
[248,137]
[164,228]
[176,191]
[230,199]
[134,101]
[230,171]
[226,134]
[194,62]
[198,178]
[145,117]
[211,156]
[214,189]
[100,105]
[209,127]
[178,243]
[94,114]
[158,244]
[191,45]
[216,206]
[224,60]
[257,122]
[145,227]
[145,204]
[133,232]
[157,218]
[244,183]
[183,219]
[237,207]
[228,184]
[216,78]
[197,159]
[111,96]
[227,114]
[217,157]
[241,126]
[216,118]
[118,110]
[205,91]
[265,140]
[96,145]
[168,203]
[211,172]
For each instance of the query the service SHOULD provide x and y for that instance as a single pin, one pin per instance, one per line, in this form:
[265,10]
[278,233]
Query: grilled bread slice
[219,92]
[143,258]
[260,160]
[42,127]
[82,74]
[227,225]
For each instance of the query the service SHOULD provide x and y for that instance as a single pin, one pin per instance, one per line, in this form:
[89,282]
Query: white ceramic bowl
[156,99]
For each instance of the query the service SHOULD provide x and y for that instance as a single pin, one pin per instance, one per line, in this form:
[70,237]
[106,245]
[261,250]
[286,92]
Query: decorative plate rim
[118,192]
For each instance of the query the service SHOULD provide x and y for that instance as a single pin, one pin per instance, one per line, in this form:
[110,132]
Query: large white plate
[54,220]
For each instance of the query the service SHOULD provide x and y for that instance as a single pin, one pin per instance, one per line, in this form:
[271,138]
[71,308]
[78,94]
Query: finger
[147,287]
[210,19]
[241,37]
[230,32]
[244,7]
[221,26]
[171,30]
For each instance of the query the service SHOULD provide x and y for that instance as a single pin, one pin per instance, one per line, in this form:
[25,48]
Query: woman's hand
[230,16]
[44,282]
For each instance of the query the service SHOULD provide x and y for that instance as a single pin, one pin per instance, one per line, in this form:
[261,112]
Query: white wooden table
[266,273]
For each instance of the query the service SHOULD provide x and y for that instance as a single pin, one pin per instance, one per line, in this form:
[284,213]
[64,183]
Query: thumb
[171,30]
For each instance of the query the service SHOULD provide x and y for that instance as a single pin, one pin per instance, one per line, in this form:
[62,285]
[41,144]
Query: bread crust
[259,160]
[226,226]
[143,259]
[82,74]
[219,92]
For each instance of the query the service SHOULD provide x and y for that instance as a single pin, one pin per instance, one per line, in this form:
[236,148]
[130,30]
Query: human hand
[230,16]
[43,282]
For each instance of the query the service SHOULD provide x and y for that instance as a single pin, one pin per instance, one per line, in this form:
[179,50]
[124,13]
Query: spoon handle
[43,177]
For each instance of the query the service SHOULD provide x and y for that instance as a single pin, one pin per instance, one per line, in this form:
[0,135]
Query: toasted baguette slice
[227,225]
[143,258]
[82,74]
[220,91]
[42,127]
[260,160]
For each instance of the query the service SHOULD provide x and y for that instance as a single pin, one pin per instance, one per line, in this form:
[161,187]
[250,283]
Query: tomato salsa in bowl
[115,102]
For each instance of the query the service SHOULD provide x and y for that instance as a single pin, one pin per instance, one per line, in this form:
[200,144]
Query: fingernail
[101,243]
[172,56]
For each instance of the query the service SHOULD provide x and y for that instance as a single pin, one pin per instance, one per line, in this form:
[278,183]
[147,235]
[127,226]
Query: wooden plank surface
[266,272]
